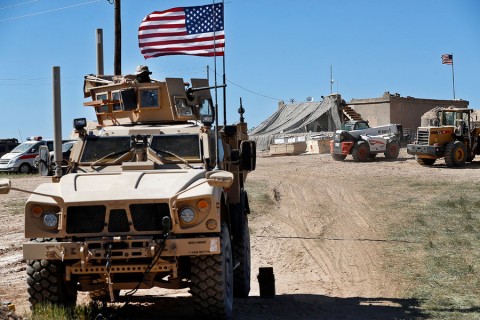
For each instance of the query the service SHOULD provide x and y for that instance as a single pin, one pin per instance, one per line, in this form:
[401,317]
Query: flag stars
[204,19]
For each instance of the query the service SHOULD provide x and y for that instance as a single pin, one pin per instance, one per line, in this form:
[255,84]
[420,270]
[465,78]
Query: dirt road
[322,225]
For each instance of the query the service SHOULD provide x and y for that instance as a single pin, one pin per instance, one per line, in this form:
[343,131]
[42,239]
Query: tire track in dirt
[322,222]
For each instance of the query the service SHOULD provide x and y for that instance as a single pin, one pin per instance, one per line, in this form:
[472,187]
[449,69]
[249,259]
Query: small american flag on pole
[447,58]
[185,30]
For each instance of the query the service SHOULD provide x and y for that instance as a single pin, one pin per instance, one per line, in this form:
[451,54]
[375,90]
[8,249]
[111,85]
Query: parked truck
[364,142]
[453,136]
[156,198]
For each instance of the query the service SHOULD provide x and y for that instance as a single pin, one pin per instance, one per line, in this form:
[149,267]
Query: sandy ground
[324,238]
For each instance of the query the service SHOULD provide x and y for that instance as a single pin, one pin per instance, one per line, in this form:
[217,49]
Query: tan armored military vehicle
[154,198]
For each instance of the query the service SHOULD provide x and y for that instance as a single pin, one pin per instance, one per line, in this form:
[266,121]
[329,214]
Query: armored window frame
[185,111]
[102,96]
[179,144]
[154,92]
[117,106]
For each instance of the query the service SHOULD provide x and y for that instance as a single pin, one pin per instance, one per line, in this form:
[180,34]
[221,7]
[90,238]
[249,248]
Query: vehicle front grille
[4,161]
[422,136]
[118,221]
[148,217]
[94,219]
[86,219]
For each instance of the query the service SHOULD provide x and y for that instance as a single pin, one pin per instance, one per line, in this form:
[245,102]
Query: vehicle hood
[122,186]
[9,156]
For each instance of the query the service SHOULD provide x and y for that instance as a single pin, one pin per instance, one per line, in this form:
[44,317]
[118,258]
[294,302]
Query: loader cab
[451,116]
[356,125]
[459,118]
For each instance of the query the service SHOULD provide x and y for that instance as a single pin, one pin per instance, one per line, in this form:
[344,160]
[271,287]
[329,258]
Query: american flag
[184,30]
[447,58]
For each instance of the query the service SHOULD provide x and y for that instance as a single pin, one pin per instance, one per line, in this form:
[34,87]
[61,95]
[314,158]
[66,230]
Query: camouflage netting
[302,117]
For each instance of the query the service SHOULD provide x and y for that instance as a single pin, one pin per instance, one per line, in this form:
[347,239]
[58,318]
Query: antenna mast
[331,80]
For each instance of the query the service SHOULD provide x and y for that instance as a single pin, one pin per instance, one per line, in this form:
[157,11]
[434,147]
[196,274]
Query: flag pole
[217,151]
[453,79]
[224,77]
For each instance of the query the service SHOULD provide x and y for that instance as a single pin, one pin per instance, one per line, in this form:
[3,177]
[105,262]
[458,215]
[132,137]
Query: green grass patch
[83,312]
[443,269]
[260,197]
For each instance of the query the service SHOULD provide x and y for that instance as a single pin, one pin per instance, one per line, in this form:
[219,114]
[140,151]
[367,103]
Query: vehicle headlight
[187,215]
[50,220]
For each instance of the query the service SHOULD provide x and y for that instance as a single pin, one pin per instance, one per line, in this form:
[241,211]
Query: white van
[22,157]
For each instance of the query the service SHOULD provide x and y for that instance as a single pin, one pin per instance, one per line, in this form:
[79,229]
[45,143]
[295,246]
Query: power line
[251,91]
[19,4]
[48,11]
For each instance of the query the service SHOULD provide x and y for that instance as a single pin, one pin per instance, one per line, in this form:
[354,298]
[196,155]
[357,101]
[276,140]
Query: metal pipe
[118,40]
[99,34]
[57,123]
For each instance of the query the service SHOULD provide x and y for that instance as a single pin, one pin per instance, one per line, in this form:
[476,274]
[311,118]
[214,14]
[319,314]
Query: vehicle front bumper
[343,148]
[123,249]
[8,168]
[425,150]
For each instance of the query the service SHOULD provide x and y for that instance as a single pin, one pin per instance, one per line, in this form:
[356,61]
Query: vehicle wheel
[392,150]
[46,282]
[103,295]
[455,154]
[212,281]
[425,161]
[338,157]
[361,151]
[25,168]
[241,252]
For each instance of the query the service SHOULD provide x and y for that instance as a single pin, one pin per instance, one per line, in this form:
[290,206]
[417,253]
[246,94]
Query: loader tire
[46,282]
[361,151]
[212,281]
[392,150]
[455,154]
[338,157]
[425,161]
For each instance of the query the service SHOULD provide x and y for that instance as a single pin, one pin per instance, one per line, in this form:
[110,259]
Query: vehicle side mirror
[5,186]
[219,178]
[248,155]
[44,165]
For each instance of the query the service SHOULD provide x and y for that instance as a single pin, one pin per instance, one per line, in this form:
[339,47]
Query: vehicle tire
[425,161]
[361,151]
[25,168]
[46,282]
[241,252]
[455,154]
[338,157]
[103,295]
[212,281]
[392,150]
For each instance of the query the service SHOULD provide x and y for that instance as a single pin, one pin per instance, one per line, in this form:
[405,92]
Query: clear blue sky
[275,49]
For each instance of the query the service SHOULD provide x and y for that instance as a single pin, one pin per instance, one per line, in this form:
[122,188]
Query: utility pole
[118,40]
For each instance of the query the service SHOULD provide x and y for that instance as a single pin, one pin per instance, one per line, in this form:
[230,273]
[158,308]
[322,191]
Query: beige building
[392,108]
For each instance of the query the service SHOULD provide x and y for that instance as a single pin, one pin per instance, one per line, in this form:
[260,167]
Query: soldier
[143,74]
